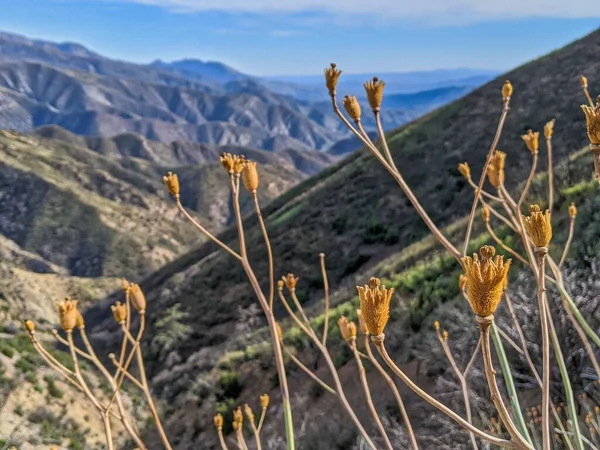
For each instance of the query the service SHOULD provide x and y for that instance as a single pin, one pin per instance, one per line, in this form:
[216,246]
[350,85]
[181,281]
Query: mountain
[355,213]
[65,84]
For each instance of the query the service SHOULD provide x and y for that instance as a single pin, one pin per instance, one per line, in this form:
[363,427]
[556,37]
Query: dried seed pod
[249,413]
[538,226]
[507,90]
[486,280]
[532,141]
[572,211]
[436,325]
[172,183]
[485,214]
[464,169]
[264,401]
[352,329]
[549,129]
[290,281]
[375,305]
[280,284]
[374,90]
[584,82]
[30,326]
[332,75]
[138,299]
[238,417]
[445,335]
[218,419]
[495,170]
[67,312]
[233,163]
[344,330]
[124,284]
[352,107]
[250,177]
[592,118]
[119,312]
[79,323]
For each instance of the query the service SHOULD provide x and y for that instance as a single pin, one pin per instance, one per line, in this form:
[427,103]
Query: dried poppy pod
[352,107]
[572,211]
[532,141]
[436,325]
[29,326]
[119,312]
[344,329]
[264,401]
[250,177]
[485,214]
[592,118]
[507,90]
[248,412]
[79,323]
[361,322]
[374,90]
[445,335]
[465,170]
[67,312]
[375,305]
[124,284]
[172,183]
[138,299]
[238,416]
[290,281]
[280,284]
[495,171]
[218,419]
[233,163]
[549,129]
[538,226]
[486,280]
[332,75]
[584,82]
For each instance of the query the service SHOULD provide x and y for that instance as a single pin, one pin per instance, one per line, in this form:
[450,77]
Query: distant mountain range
[68,85]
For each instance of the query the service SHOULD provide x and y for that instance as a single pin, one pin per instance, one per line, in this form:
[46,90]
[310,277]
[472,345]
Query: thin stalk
[484,193]
[307,371]
[256,435]
[299,308]
[222,439]
[508,339]
[263,414]
[383,140]
[507,222]
[566,381]
[365,384]
[568,243]
[326,288]
[587,96]
[269,251]
[240,439]
[378,341]
[509,382]
[483,174]
[127,374]
[596,154]
[128,325]
[502,244]
[473,356]
[550,174]
[107,430]
[484,325]
[528,183]
[392,385]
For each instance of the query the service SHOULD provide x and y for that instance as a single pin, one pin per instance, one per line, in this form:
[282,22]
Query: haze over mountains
[68,85]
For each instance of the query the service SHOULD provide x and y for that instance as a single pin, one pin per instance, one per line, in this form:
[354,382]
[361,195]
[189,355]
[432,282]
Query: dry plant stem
[300,309]
[285,396]
[588,97]
[262,419]
[463,383]
[401,182]
[596,154]
[484,193]
[256,435]
[222,439]
[240,439]
[269,251]
[113,384]
[307,371]
[205,231]
[568,243]
[66,343]
[378,341]
[541,253]
[336,379]
[485,323]
[326,288]
[365,384]
[503,245]
[528,183]
[508,339]
[392,385]
[89,394]
[507,222]
[128,375]
[383,140]
[550,175]
[128,325]
[483,174]
[473,356]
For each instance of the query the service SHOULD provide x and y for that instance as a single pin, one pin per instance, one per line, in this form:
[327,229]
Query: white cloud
[437,11]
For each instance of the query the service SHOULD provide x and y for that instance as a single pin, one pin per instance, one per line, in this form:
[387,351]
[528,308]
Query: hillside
[367,224]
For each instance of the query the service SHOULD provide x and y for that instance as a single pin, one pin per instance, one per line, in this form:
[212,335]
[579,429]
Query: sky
[300,37]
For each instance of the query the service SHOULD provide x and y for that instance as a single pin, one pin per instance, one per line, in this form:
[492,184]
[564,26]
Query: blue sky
[284,37]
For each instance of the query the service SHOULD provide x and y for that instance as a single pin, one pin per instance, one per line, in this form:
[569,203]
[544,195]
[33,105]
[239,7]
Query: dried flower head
[249,413]
[486,279]
[332,75]
[138,299]
[218,421]
[235,425]
[485,214]
[233,163]
[119,312]
[30,326]
[250,176]
[532,141]
[462,282]
[264,401]
[549,129]
[79,322]
[584,82]
[124,284]
[572,210]
[592,118]
[464,169]
[374,90]
[238,417]
[67,312]
[507,90]
[344,330]
[445,335]
[280,284]
[436,325]
[361,322]
[352,107]
[290,281]
[375,305]
[495,170]
[538,226]
[172,183]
